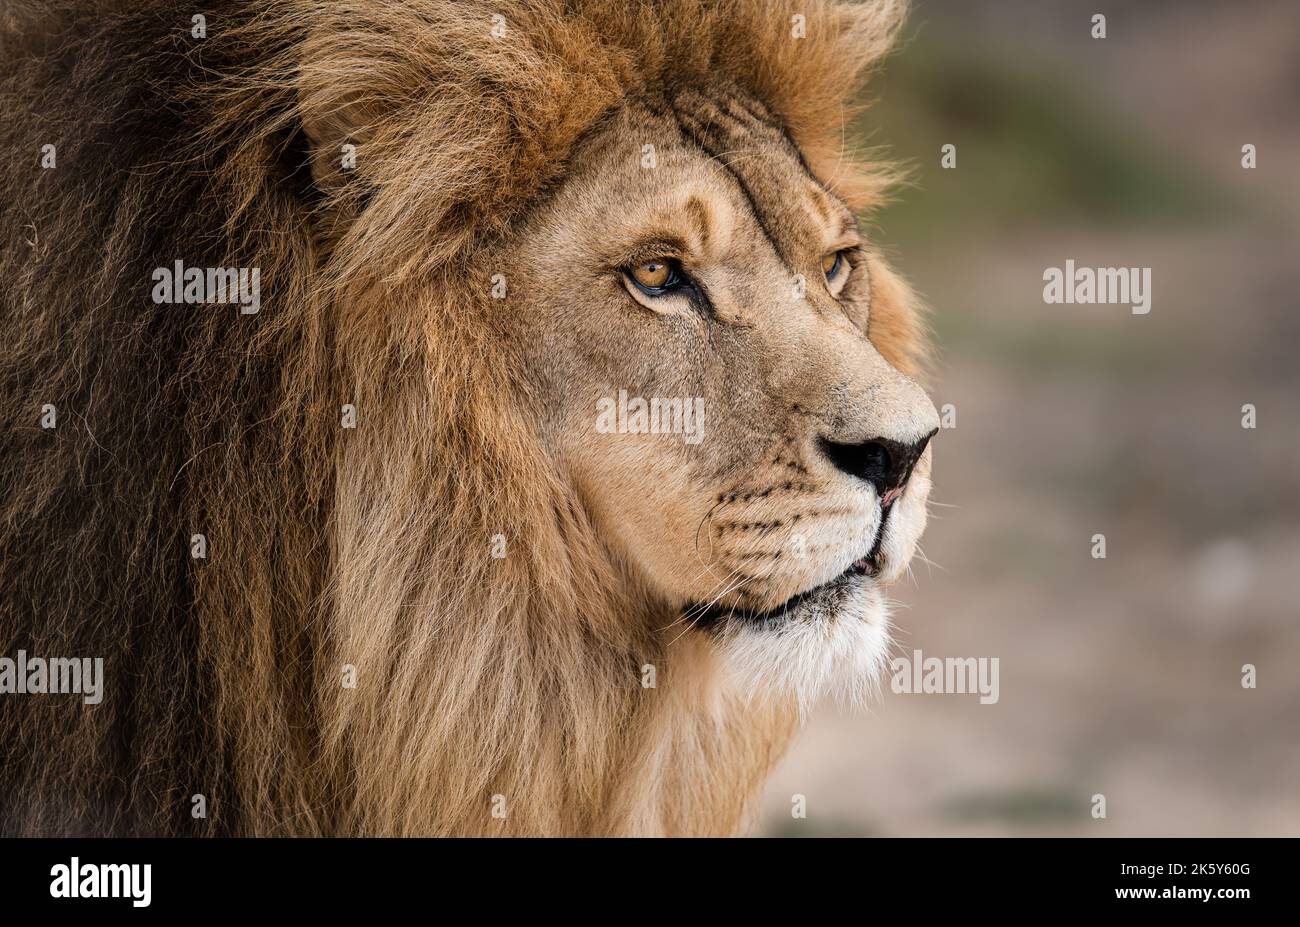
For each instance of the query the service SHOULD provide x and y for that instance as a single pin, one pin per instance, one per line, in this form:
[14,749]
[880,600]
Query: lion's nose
[884,463]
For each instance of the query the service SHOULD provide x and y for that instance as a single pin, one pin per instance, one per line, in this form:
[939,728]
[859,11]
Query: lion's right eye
[655,277]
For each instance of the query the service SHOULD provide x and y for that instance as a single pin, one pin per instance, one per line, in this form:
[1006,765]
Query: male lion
[403,545]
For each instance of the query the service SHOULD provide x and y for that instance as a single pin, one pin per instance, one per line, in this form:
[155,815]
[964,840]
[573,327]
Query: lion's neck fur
[534,691]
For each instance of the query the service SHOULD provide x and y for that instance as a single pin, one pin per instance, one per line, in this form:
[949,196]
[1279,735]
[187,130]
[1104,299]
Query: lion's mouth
[868,566]
[824,594]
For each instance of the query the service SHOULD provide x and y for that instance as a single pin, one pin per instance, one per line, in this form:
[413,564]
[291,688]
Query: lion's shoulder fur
[223,673]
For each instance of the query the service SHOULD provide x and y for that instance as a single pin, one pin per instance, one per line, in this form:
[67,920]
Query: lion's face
[703,328]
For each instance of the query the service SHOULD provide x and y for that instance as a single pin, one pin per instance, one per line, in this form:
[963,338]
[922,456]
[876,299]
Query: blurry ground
[1119,676]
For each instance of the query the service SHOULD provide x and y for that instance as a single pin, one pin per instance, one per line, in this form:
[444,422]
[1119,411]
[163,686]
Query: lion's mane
[332,548]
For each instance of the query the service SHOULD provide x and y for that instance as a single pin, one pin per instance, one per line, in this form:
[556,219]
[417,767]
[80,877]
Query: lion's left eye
[656,277]
[833,264]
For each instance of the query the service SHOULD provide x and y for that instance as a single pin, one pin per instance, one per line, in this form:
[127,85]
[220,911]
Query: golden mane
[493,694]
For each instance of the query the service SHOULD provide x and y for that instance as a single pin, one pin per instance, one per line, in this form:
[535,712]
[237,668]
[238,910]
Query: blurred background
[1119,676]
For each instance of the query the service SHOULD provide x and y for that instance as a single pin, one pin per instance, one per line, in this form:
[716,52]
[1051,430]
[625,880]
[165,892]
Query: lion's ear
[334,132]
[339,106]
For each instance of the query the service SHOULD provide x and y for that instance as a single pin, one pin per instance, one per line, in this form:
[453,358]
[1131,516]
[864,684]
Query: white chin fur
[811,654]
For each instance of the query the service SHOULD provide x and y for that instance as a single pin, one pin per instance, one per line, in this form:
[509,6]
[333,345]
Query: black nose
[884,463]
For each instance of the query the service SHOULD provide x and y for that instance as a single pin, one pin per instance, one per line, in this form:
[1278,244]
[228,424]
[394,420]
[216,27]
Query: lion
[562,461]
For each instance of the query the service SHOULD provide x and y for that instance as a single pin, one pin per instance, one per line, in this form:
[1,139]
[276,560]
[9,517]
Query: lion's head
[632,441]
[696,309]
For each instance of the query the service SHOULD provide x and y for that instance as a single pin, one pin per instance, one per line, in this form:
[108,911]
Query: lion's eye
[832,264]
[656,277]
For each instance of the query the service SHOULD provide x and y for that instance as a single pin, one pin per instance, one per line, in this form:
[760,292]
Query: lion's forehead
[713,167]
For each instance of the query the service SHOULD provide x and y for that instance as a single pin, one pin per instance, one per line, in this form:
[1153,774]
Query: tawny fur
[477,677]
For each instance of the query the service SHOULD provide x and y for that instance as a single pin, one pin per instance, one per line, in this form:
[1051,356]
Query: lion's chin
[831,644]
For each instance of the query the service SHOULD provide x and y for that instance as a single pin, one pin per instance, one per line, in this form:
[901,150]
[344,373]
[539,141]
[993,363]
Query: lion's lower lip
[866,567]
